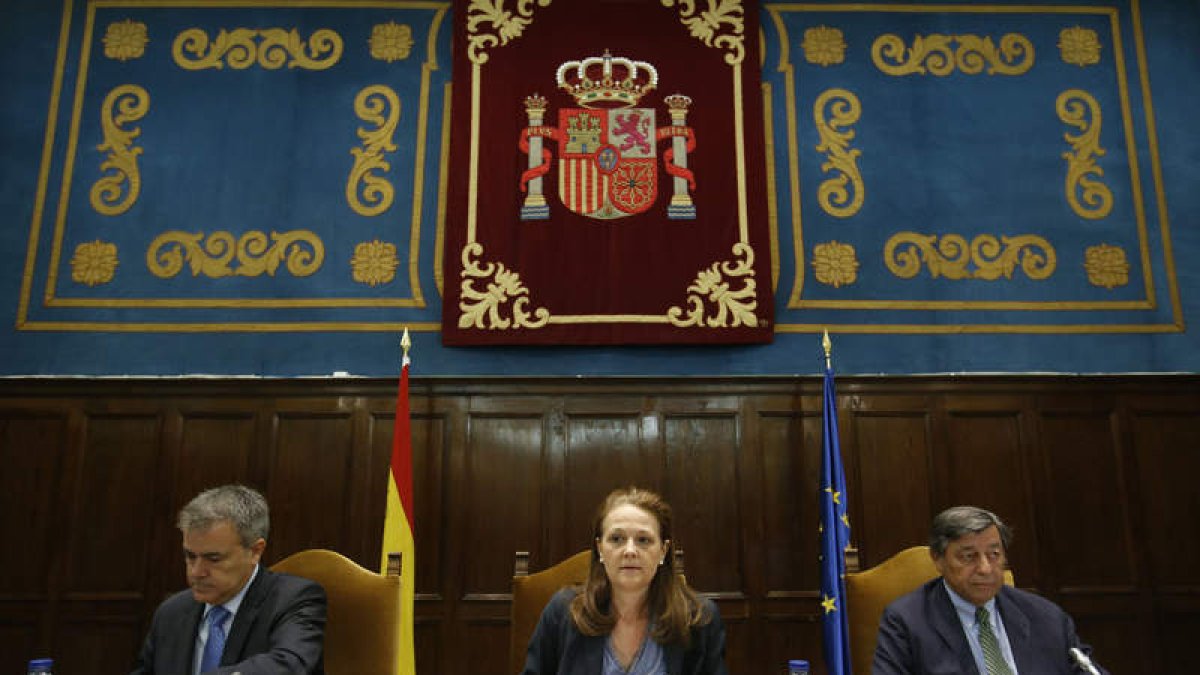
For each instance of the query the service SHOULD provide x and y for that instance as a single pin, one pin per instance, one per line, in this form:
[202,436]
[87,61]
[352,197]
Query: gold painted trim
[796,301]
[439,244]
[258,327]
[978,329]
[793,148]
[39,204]
[1156,165]
[769,157]
[49,297]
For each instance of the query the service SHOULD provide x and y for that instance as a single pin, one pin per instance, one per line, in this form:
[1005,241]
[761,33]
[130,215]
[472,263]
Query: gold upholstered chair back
[362,630]
[870,591]
[531,593]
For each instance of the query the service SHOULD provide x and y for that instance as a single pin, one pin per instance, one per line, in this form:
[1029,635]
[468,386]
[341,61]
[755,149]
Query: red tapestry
[607,179]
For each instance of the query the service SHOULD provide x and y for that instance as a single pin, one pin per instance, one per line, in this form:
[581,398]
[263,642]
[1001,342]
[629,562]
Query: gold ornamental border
[491,25]
[796,301]
[50,299]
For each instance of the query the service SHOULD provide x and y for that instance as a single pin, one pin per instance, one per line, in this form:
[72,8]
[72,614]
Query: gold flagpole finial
[405,343]
[828,345]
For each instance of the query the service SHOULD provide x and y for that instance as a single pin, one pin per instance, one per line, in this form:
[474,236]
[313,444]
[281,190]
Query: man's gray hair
[243,507]
[957,521]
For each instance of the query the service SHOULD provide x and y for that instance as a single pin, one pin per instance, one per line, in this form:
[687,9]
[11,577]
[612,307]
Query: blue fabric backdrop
[271,202]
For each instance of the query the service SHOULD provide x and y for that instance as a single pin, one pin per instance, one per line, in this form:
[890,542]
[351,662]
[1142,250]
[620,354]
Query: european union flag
[835,537]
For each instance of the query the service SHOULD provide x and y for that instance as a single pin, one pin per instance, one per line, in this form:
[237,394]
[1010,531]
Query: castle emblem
[607,166]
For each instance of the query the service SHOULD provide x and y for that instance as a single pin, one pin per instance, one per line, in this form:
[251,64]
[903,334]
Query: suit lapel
[1017,628]
[181,652]
[949,628]
[247,612]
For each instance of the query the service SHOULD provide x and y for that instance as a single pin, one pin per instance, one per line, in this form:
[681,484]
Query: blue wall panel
[256,188]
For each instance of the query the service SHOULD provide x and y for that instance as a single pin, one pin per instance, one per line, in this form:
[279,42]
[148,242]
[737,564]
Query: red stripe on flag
[402,450]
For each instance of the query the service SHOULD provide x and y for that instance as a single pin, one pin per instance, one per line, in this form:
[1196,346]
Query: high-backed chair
[362,629]
[870,591]
[531,593]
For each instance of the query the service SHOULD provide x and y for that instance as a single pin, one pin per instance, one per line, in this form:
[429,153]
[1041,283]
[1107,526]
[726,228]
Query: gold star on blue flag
[834,533]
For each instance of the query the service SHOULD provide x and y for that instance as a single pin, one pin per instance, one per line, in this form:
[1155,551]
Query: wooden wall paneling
[605,447]
[111,534]
[782,457]
[108,537]
[504,474]
[1083,461]
[310,487]
[987,462]
[216,447]
[1176,628]
[891,439]
[1167,447]
[451,579]
[703,453]
[33,451]
[429,430]
[430,443]
[1165,439]
[789,472]
[19,635]
[499,464]
[98,644]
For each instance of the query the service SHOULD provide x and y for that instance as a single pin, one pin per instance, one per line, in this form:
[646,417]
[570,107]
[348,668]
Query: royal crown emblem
[607,147]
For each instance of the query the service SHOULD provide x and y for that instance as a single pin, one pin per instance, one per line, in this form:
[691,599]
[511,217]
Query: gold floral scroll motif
[1106,266]
[843,110]
[484,14]
[239,49]
[94,263]
[256,254]
[391,41]
[1079,46]
[485,307]
[374,262]
[721,26]
[379,105]
[952,257]
[125,40]
[937,55]
[109,195]
[1089,198]
[824,46]
[835,264]
[730,307]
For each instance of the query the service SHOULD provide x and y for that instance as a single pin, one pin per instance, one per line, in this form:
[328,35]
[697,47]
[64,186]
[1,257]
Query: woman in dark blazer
[634,615]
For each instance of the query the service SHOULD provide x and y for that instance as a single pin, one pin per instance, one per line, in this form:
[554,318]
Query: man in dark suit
[968,620]
[237,617]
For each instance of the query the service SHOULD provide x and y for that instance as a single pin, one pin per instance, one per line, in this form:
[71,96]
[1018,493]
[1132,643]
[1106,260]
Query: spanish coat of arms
[608,147]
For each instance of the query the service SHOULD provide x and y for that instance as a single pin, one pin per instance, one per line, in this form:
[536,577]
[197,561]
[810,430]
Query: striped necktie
[214,646]
[993,658]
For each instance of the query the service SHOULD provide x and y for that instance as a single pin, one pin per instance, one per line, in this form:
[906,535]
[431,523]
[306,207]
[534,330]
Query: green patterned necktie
[993,658]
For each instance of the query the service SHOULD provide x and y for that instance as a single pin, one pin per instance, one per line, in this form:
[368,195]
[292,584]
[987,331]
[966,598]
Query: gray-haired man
[967,620]
[237,616]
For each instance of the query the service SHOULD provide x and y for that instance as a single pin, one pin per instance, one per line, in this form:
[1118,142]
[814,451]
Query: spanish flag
[398,521]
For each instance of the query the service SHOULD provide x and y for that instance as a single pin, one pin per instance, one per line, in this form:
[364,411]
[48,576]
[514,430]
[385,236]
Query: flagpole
[398,539]
[834,531]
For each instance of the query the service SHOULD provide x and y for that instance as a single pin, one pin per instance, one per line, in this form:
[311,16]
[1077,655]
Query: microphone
[1082,660]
